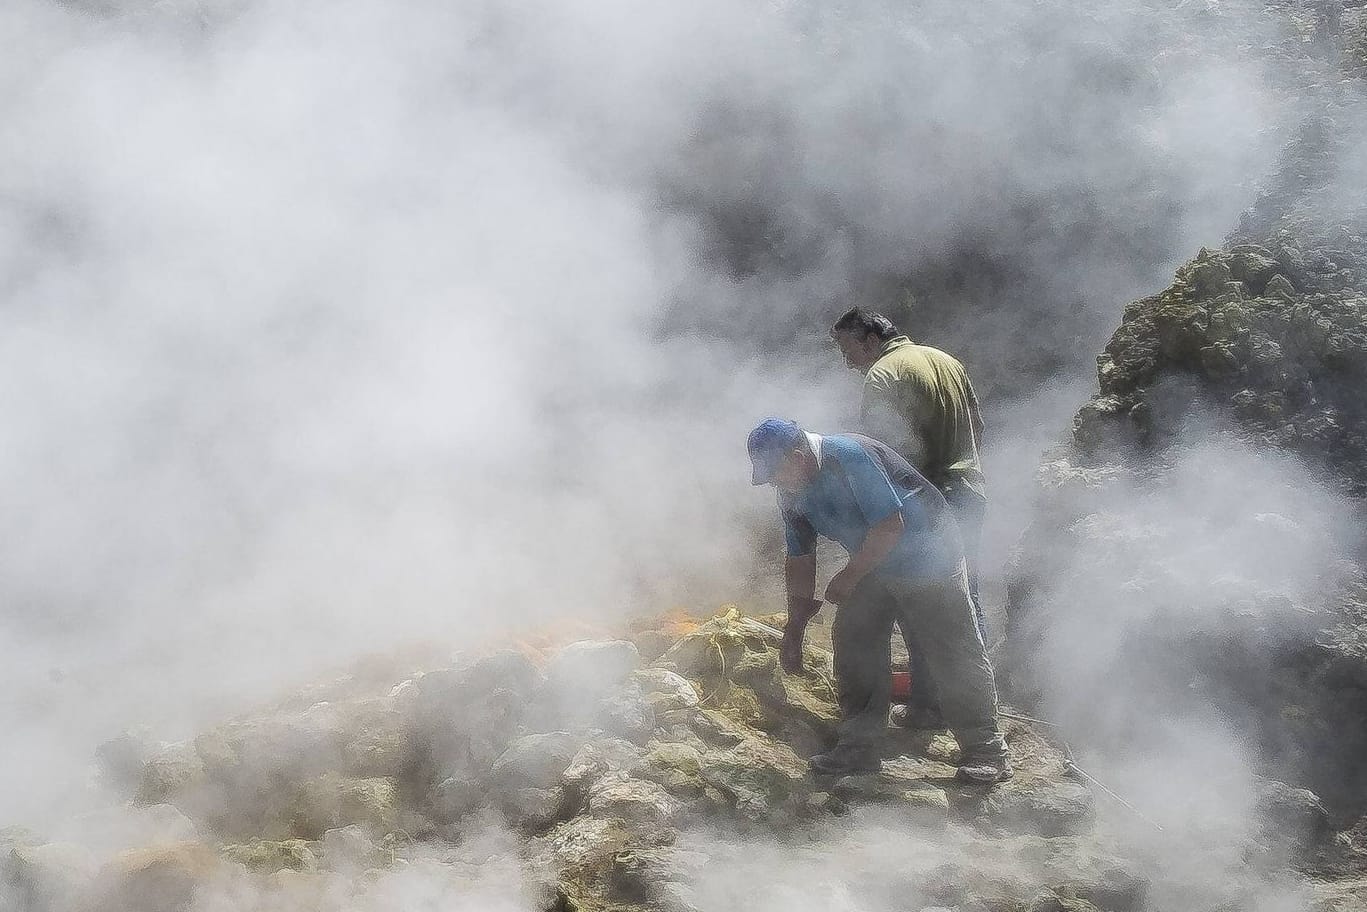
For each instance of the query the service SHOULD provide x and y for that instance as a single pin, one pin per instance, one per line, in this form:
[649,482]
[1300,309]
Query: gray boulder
[535,761]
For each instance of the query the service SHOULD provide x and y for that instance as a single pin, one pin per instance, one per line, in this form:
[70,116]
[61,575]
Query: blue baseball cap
[769,443]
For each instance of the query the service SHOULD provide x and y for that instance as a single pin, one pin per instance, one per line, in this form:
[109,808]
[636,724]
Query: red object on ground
[901,685]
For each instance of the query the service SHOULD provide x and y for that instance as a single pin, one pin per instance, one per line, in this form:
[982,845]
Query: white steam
[329,327]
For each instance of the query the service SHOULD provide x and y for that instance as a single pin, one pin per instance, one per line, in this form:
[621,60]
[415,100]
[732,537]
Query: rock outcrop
[1196,540]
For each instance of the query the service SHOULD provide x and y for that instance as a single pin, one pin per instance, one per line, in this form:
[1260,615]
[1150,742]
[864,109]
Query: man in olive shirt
[919,400]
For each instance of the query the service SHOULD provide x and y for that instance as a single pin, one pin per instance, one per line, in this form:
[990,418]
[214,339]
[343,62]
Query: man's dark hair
[865,322]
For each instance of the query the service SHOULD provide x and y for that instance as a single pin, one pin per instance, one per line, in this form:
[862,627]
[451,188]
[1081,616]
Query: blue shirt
[859,484]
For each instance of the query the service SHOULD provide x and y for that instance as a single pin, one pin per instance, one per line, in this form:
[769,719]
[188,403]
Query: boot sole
[973,780]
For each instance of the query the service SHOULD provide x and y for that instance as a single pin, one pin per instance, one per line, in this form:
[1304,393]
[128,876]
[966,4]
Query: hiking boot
[844,761]
[917,717]
[985,772]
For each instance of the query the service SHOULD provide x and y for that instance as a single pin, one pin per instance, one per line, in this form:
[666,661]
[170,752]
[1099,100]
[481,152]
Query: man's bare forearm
[799,578]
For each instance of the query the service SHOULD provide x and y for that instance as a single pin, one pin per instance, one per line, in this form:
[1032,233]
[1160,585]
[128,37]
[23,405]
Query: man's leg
[922,709]
[970,509]
[940,615]
[861,640]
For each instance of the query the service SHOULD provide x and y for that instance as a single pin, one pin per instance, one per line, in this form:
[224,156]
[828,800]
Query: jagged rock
[169,774]
[1253,266]
[534,809]
[160,879]
[467,716]
[1050,808]
[351,848]
[1280,287]
[584,847]
[382,744]
[43,877]
[665,690]
[606,755]
[637,802]
[536,761]
[625,713]
[675,766]
[1074,867]
[757,778]
[333,801]
[659,877]
[454,797]
[1209,274]
[921,801]
[268,856]
[1292,816]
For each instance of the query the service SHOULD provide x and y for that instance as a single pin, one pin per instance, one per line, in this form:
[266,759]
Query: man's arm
[879,543]
[799,581]
[799,578]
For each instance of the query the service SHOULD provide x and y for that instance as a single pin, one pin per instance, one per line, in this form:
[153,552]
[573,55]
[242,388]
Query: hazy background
[326,326]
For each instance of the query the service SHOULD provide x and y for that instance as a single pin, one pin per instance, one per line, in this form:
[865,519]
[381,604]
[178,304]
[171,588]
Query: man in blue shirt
[906,565]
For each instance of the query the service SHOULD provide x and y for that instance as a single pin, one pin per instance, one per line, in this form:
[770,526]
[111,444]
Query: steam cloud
[332,327]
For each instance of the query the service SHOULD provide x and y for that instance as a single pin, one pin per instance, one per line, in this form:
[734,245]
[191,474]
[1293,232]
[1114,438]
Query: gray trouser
[968,508]
[939,615]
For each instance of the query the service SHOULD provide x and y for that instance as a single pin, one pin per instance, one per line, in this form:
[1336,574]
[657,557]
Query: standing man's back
[919,400]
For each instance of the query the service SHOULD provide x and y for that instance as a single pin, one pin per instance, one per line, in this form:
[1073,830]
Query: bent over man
[905,565]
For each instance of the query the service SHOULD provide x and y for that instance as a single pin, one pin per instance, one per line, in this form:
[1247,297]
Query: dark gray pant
[969,509]
[939,616]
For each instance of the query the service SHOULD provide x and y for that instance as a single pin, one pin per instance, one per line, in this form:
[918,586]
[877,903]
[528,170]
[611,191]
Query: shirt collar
[814,440]
[895,342]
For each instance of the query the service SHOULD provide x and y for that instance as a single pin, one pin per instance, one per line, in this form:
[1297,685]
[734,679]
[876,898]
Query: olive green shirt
[918,400]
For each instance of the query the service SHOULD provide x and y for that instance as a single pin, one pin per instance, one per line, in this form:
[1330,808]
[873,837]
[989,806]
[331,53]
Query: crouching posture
[906,565]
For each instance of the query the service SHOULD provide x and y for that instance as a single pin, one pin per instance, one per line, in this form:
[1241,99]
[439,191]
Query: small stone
[665,690]
[1279,286]
[332,801]
[635,801]
[267,856]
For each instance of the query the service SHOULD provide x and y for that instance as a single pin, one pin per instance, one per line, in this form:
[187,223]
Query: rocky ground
[663,771]
[1206,512]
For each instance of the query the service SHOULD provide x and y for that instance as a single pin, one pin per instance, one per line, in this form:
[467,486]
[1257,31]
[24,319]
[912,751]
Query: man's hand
[841,586]
[800,612]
